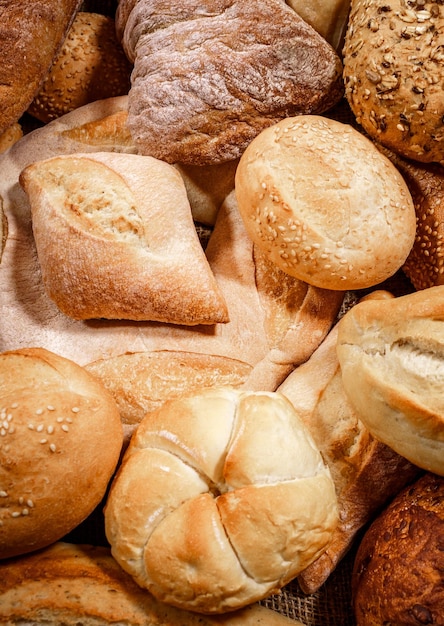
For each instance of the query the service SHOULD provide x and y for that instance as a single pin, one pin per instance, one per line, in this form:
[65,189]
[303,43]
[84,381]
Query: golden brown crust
[393,74]
[324,204]
[71,584]
[221,498]
[366,473]
[391,354]
[397,575]
[91,65]
[90,208]
[61,439]
[209,77]
[28,51]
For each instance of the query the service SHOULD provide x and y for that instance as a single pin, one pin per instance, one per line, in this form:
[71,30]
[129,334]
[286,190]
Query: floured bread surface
[392,361]
[209,76]
[221,499]
[115,239]
[324,204]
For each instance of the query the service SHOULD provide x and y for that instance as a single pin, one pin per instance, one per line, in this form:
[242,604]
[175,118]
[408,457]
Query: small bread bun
[324,204]
[398,571]
[91,65]
[60,441]
[222,498]
[391,354]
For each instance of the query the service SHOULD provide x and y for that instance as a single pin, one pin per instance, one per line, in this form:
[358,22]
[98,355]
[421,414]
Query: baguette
[82,584]
[366,472]
[31,35]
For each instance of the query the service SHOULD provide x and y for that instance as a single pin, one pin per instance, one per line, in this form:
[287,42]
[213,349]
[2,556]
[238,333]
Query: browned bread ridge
[209,76]
[398,569]
[31,34]
[82,584]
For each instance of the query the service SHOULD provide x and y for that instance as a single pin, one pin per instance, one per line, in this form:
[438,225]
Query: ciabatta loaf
[60,442]
[209,76]
[115,239]
[366,472]
[82,584]
[221,499]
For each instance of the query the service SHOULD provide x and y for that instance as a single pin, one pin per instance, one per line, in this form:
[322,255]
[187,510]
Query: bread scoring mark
[93,198]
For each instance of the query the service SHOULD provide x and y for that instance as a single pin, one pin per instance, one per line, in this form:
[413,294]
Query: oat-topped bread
[31,34]
[394,72]
[208,76]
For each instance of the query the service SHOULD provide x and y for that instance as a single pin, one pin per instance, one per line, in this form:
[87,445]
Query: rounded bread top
[60,441]
[221,499]
[324,204]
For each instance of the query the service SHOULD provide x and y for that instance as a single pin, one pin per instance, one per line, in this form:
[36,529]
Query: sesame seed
[52,447]
[65,428]
[3,494]
[59,419]
[25,512]
[50,407]
[39,412]
[14,405]
[50,430]
[31,426]
[40,428]
[15,514]
[30,503]
[43,441]
[75,409]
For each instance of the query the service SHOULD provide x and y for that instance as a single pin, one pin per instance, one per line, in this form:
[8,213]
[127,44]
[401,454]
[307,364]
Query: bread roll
[221,499]
[398,570]
[209,76]
[91,65]
[327,17]
[60,441]
[115,239]
[366,472]
[393,74]
[324,204]
[10,136]
[82,584]
[31,34]
[391,355]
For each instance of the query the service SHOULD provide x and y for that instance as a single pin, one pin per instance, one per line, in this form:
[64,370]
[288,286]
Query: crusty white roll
[324,204]
[391,354]
[115,239]
[60,441]
[221,499]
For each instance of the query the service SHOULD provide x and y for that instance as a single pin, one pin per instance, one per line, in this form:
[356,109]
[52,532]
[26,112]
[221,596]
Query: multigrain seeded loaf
[209,76]
[82,584]
[394,72]
[31,34]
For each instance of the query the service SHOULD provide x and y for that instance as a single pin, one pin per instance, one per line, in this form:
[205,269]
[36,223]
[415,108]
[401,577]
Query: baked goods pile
[199,266]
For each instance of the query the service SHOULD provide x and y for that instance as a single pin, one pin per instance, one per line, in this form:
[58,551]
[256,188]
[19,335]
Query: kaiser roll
[398,571]
[60,441]
[222,498]
[391,354]
[324,204]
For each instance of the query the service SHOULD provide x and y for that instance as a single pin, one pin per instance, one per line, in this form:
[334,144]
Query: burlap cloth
[331,605]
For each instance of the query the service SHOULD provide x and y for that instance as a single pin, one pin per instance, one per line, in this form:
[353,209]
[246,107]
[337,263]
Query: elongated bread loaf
[31,34]
[391,354]
[115,239]
[72,584]
[209,76]
[366,472]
